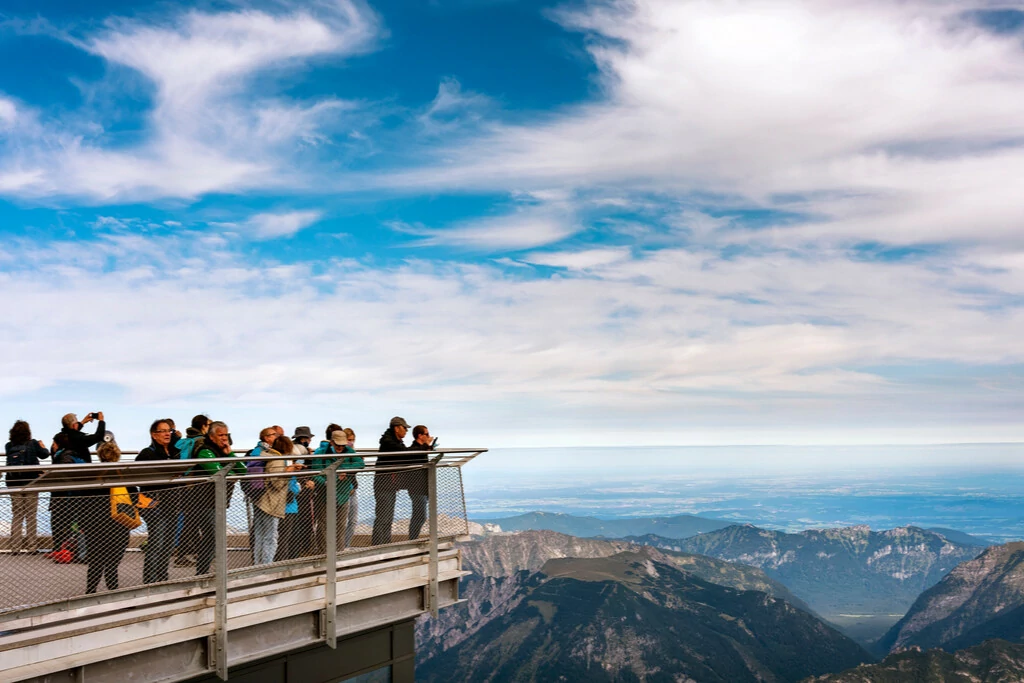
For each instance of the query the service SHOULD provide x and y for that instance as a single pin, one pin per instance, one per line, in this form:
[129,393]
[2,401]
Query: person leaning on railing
[161,515]
[23,451]
[216,445]
[268,507]
[106,539]
[386,485]
[338,445]
[353,499]
[187,527]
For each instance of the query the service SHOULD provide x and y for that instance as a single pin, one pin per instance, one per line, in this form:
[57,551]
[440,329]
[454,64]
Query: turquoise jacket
[345,485]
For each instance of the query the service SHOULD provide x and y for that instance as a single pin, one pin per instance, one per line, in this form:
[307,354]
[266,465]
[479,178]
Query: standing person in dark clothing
[75,445]
[161,516]
[416,481]
[106,539]
[22,451]
[187,527]
[78,441]
[216,445]
[387,484]
[61,504]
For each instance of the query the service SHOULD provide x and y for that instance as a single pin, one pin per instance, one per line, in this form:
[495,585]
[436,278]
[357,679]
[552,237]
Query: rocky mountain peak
[973,594]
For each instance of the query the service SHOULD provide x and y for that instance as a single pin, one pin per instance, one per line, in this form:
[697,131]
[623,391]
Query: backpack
[122,509]
[19,455]
[253,488]
[189,445]
[66,554]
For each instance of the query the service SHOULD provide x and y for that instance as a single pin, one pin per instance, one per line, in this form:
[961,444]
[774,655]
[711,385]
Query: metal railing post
[331,554]
[432,597]
[220,610]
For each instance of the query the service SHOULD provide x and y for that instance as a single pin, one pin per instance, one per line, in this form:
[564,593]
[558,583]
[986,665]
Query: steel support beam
[220,562]
[331,555]
[432,597]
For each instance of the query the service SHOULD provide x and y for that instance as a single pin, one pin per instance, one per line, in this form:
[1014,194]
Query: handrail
[459,458]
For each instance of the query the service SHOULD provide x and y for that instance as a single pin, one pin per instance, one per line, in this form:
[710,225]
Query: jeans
[264,528]
[24,509]
[160,526]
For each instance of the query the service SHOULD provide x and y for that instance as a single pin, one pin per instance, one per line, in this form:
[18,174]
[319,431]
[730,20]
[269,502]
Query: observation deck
[327,600]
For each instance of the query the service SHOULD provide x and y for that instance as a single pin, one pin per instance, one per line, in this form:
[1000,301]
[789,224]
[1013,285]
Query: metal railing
[74,530]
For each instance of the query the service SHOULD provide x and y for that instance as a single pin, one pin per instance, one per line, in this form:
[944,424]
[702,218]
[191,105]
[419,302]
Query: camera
[94,416]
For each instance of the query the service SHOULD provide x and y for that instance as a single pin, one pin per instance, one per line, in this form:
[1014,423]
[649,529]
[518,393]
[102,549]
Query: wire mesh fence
[61,544]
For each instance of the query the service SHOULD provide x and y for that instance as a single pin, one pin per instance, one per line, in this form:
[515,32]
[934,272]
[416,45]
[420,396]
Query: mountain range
[504,568]
[636,616]
[676,526]
[995,661]
[978,600]
[841,571]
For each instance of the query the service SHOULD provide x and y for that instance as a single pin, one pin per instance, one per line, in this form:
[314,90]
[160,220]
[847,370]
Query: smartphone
[433,444]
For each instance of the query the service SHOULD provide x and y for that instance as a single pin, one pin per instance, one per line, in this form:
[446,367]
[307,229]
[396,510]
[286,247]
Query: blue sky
[522,223]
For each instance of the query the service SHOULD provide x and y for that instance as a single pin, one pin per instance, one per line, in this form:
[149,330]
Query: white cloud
[8,112]
[524,228]
[908,111]
[274,225]
[579,260]
[453,109]
[669,337]
[210,127]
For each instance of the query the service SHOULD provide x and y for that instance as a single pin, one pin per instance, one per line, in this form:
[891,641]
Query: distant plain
[974,488]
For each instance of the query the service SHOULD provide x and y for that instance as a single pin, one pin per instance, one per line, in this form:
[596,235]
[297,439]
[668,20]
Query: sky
[521,223]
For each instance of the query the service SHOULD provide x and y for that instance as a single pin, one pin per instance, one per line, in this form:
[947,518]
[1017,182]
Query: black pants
[188,541]
[105,542]
[292,537]
[385,490]
[160,525]
[207,527]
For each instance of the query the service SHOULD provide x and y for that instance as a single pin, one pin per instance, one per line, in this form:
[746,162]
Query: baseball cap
[339,437]
[399,422]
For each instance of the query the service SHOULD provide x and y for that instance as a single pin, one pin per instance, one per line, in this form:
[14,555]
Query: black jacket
[165,493]
[28,453]
[79,442]
[415,481]
[389,443]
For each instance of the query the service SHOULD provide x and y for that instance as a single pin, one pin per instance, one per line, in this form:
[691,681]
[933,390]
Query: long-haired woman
[23,451]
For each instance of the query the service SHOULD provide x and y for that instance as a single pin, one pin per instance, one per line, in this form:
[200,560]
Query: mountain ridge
[674,526]
[978,599]
[842,570]
[505,565]
[994,661]
[630,616]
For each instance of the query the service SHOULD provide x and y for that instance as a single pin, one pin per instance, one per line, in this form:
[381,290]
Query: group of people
[287,514]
